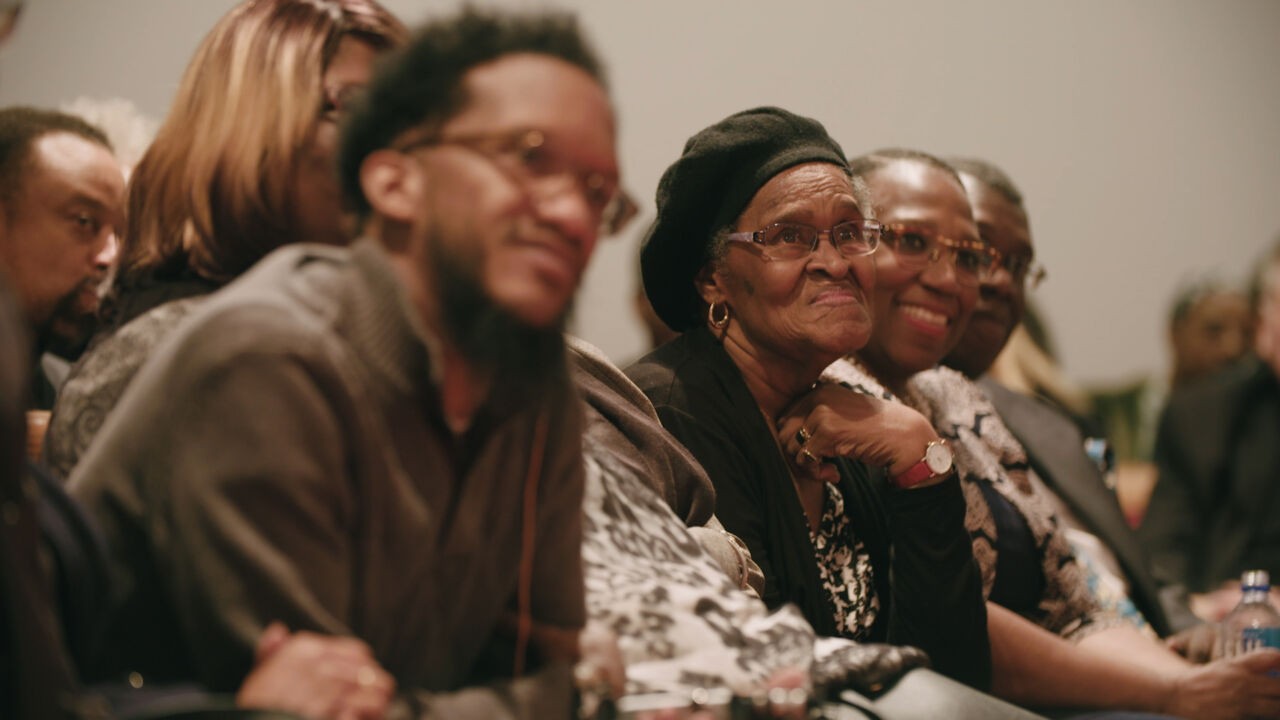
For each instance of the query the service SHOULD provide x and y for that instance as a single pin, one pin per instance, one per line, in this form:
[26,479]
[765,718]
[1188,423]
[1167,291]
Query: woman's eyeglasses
[792,241]
[916,247]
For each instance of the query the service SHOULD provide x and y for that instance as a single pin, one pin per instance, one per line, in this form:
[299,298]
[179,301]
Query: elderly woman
[1052,644]
[677,604]
[761,256]
[243,164]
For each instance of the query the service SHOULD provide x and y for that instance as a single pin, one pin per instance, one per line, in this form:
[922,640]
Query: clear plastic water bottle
[1254,623]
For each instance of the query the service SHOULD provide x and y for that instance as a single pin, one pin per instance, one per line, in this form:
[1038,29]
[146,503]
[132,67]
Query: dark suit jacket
[1055,448]
[1215,510]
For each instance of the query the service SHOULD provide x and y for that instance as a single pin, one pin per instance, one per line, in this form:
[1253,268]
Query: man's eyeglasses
[792,241]
[528,160]
[1023,269]
[916,247]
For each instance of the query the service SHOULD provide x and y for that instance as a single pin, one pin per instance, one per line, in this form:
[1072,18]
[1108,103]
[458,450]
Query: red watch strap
[913,475]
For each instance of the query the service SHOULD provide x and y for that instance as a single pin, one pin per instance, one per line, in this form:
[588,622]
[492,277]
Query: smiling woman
[922,309]
[762,256]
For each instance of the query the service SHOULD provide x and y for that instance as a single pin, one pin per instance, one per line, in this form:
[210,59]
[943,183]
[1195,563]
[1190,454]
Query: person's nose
[106,256]
[826,258]
[941,272]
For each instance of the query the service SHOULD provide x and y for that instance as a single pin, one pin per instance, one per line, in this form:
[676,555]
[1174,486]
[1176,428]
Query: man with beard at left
[382,440]
[61,204]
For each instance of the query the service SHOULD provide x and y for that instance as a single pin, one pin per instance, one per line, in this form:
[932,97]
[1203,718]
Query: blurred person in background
[243,164]
[1215,507]
[61,196]
[46,546]
[1210,326]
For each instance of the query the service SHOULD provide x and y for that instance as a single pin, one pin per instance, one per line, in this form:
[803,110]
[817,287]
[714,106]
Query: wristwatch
[937,461]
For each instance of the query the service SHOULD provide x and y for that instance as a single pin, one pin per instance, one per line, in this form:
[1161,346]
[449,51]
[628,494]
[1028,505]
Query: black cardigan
[928,583]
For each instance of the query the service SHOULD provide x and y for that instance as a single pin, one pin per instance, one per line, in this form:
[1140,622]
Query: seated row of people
[385,441]
[782,282]
[200,567]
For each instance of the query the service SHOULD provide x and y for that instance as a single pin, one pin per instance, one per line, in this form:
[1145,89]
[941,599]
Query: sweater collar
[391,339]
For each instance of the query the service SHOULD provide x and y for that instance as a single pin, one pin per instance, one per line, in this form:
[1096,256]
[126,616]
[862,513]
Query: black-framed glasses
[917,247]
[528,159]
[792,241]
[1023,269]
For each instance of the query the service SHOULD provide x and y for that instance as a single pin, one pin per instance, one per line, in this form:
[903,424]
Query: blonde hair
[212,195]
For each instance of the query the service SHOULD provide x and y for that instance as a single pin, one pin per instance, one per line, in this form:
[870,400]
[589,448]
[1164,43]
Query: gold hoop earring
[718,323]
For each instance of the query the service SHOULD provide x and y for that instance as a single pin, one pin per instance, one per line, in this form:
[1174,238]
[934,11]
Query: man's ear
[391,184]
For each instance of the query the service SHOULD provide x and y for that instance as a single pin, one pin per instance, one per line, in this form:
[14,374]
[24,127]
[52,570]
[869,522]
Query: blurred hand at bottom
[316,676]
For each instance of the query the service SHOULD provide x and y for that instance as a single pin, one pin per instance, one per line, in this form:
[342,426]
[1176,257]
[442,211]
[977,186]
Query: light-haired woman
[243,164]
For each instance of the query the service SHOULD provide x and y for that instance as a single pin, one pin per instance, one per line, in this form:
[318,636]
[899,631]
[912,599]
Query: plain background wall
[1145,134]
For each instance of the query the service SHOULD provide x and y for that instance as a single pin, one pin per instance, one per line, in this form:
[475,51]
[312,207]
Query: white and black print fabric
[844,568]
[986,453]
[681,622]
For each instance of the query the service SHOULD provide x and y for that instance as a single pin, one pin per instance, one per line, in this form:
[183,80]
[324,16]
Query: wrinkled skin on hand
[843,423]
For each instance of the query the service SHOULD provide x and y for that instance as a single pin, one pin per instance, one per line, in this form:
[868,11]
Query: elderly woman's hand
[834,421]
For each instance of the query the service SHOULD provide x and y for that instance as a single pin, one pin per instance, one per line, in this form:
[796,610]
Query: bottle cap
[1258,579]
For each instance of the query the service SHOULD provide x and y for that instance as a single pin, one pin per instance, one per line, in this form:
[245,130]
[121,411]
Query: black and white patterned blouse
[988,456]
[844,568]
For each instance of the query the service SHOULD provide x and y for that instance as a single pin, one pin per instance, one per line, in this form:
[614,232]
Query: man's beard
[73,321]
[524,364]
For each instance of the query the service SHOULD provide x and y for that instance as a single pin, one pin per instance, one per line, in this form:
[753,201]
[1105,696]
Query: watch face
[938,457]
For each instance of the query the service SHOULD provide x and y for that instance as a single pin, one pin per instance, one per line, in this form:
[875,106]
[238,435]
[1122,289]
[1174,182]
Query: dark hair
[989,175]
[1191,294]
[421,84]
[20,127]
[864,165]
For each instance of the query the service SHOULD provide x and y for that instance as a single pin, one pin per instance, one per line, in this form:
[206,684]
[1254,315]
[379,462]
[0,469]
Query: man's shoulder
[287,304]
[1013,405]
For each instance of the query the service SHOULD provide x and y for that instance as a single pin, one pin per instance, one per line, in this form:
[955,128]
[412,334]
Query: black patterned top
[844,567]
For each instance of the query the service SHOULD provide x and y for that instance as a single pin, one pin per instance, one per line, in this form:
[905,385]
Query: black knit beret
[708,188]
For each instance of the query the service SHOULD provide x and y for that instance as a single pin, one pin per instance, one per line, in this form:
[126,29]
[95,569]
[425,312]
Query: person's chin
[849,337]
[986,333]
[535,303]
[922,351]
[991,324]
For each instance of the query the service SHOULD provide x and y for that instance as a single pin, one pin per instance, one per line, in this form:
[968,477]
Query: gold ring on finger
[807,457]
[803,435]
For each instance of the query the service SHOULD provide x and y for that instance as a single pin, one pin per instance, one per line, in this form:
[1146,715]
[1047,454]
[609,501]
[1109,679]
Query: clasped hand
[839,422]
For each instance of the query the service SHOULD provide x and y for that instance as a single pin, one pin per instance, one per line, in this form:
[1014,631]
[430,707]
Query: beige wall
[1144,133]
